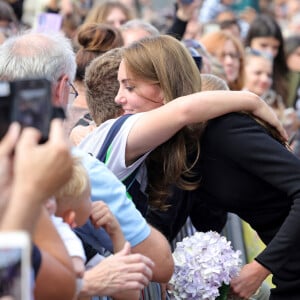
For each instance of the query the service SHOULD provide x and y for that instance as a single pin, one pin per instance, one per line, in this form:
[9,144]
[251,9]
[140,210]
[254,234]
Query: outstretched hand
[118,273]
[186,12]
[249,280]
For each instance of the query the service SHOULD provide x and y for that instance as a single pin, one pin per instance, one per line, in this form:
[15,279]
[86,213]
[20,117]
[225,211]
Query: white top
[71,240]
[116,157]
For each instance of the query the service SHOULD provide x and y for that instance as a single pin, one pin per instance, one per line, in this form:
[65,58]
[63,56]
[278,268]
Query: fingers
[56,133]
[135,262]
[138,279]
[100,219]
[9,141]
[101,216]
[139,272]
[47,166]
[125,251]
[29,138]
[283,133]
[139,258]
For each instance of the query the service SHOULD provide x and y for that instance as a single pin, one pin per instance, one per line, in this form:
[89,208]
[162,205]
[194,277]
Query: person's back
[240,173]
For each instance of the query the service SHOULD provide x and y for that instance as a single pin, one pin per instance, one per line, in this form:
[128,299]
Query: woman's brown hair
[165,61]
[94,40]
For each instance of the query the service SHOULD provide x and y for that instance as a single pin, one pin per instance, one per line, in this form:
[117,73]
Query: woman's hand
[265,113]
[249,280]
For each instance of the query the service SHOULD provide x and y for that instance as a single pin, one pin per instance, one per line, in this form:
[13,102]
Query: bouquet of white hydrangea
[204,265]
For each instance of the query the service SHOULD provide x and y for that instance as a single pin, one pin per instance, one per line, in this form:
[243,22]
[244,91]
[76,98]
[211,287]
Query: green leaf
[224,289]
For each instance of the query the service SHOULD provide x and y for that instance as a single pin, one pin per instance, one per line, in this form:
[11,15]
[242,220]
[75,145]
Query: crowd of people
[159,117]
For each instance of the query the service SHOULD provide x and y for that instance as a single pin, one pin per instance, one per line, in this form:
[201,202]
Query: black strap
[132,186]
[110,136]
[84,121]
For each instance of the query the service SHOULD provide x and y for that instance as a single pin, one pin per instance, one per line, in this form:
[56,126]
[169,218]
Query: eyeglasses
[233,56]
[73,91]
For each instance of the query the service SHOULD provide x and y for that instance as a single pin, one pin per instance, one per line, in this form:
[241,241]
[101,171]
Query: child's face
[84,208]
[258,75]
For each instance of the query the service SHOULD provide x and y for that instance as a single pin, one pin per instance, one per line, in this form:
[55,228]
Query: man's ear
[61,92]
[69,217]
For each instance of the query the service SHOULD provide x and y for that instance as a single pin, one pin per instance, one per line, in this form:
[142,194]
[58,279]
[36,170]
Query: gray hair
[37,54]
[140,24]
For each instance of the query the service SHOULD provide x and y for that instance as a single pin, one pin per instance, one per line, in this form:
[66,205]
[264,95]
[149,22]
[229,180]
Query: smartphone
[31,104]
[49,22]
[16,276]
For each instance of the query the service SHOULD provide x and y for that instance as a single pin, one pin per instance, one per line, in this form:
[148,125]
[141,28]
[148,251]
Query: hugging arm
[157,126]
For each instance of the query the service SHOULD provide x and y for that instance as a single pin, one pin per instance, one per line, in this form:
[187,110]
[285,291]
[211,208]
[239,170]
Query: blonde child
[72,207]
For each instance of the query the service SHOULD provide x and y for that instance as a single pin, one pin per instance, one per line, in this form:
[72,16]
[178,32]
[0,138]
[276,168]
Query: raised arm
[158,125]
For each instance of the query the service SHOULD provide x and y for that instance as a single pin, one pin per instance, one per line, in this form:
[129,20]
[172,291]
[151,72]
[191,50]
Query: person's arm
[46,166]
[157,126]
[56,276]
[157,247]
[117,273]
[184,13]
[38,170]
[101,216]
[108,188]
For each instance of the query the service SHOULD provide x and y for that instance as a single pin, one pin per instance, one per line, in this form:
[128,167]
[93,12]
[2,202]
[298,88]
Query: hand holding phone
[28,102]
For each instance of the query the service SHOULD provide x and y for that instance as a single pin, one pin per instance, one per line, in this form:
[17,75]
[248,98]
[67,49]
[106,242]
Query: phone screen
[32,105]
[15,270]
